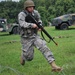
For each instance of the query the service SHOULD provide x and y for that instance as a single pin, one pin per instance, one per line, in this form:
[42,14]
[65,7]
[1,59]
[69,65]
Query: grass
[64,53]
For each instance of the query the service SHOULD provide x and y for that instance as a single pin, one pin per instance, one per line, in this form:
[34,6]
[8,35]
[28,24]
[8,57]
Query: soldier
[30,37]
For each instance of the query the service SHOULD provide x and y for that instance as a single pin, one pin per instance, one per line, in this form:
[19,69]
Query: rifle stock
[41,27]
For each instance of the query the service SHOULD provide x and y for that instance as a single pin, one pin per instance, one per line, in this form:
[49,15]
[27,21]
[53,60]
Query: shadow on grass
[71,29]
[4,34]
[63,30]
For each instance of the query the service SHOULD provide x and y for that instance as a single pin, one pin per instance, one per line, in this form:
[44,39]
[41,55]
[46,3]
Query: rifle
[41,27]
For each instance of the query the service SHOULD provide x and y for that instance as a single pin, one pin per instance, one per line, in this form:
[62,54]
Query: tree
[44,14]
[48,9]
[66,4]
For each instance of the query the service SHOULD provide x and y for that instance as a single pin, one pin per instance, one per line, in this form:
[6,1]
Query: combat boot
[22,61]
[55,68]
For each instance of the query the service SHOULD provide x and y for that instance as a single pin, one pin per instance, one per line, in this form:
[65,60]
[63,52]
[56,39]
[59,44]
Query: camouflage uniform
[30,38]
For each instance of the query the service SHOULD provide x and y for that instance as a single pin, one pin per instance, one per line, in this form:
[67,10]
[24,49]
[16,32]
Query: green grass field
[64,53]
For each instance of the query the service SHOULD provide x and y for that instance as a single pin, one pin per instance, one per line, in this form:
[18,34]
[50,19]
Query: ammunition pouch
[29,31]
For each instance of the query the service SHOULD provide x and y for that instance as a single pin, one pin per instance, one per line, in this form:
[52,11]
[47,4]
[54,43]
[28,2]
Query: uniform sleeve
[22,22]
[38,17]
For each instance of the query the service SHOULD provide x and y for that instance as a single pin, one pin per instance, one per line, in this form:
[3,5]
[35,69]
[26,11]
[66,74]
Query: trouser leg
[41,45]
[27,49]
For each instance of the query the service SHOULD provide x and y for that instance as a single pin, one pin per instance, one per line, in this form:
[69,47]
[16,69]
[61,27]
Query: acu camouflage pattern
[29,41]
[26,27]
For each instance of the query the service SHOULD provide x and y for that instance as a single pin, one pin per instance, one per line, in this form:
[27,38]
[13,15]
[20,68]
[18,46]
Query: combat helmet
[28,3]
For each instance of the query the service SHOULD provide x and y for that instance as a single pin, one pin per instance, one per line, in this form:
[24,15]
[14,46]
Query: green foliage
[66,4]
[48,9]
[43,13]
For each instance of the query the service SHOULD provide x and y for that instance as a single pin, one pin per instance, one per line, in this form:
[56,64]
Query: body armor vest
[29,31]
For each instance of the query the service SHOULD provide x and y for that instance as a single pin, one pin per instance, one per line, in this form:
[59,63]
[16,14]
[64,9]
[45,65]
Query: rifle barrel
[42,29]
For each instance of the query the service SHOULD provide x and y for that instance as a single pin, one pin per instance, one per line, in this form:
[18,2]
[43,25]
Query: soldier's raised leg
[41,45]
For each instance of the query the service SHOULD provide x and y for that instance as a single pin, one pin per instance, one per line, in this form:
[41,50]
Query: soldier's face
[30,9]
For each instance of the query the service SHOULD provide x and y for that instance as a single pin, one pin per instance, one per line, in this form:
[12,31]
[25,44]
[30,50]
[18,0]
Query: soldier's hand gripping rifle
[41,27]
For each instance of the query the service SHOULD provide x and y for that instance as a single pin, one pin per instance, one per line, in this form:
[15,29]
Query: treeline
[47,9]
